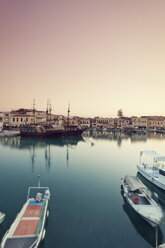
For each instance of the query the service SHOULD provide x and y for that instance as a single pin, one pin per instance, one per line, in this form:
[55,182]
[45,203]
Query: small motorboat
[139,198]
[27,230]
[2,216]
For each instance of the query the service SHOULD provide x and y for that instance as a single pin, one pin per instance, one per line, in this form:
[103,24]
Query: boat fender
[136,199]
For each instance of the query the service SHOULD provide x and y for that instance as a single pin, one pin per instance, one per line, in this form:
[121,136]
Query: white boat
[138,197]
[28,230]
[2,216]
[7,133]
[154,172]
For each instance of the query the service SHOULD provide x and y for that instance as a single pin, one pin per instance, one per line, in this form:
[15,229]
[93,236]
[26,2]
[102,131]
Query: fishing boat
[153,236]
[2,216]
[137,195]
[28,228]
[154,172]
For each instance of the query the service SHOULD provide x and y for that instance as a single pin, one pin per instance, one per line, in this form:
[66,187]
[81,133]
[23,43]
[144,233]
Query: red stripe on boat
[26,227]
[33,211]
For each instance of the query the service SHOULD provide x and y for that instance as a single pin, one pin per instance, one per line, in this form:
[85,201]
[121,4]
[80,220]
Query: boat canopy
[154,155]
[134,183]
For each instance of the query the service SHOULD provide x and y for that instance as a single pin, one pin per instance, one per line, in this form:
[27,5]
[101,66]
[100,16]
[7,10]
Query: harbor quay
[14,119]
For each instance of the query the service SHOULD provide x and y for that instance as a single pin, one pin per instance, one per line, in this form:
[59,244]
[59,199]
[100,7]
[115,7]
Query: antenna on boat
[38,181]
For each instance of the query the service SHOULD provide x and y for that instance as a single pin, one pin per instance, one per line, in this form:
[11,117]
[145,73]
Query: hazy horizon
[101,55]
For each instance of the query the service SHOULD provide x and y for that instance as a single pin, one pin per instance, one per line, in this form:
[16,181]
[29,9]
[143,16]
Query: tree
[120,113]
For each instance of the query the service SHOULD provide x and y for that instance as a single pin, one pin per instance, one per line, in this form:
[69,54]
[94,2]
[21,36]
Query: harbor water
[87,208]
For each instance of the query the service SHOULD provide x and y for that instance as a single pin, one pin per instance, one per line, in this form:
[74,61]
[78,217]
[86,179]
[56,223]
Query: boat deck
[28,227]
[142,200]
[31,220]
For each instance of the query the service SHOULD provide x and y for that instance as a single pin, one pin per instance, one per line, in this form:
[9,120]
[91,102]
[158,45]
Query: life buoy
[136,199]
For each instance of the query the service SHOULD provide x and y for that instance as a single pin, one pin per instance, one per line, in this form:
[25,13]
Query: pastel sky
[101,55]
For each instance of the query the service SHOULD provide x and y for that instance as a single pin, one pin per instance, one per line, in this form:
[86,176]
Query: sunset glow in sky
[101,55]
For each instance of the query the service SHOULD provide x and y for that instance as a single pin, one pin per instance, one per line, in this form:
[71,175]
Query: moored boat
[139,199]
[154,172]
[8,133]
[39,131]
[28,230]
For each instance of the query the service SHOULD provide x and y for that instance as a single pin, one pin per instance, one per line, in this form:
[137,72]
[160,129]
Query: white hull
[9,133]
[149,177]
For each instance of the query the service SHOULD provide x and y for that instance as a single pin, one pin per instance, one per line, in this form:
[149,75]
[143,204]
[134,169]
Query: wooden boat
[39,131]
[27,230]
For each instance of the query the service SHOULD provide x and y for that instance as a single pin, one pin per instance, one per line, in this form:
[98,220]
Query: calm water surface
[87,208]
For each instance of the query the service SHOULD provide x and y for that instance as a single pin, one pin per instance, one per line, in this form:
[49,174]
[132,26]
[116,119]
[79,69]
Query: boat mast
[48,112]
[68,114]
[34,110]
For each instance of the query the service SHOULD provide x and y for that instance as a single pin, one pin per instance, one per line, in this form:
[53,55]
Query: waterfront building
[27,116]
[156,122]
[85,122]
[20,119]
[58,120]
[40,117]
[73,121]
[139,122]
[124,122]
[6,119]
[100,122]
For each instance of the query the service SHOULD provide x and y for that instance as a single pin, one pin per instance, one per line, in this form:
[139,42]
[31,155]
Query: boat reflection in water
[157,193]
[32,144]
[152,235]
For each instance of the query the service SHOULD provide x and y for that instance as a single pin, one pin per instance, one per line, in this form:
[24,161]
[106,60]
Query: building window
[21,119]
[27,119]
[17,119]
[13,119]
